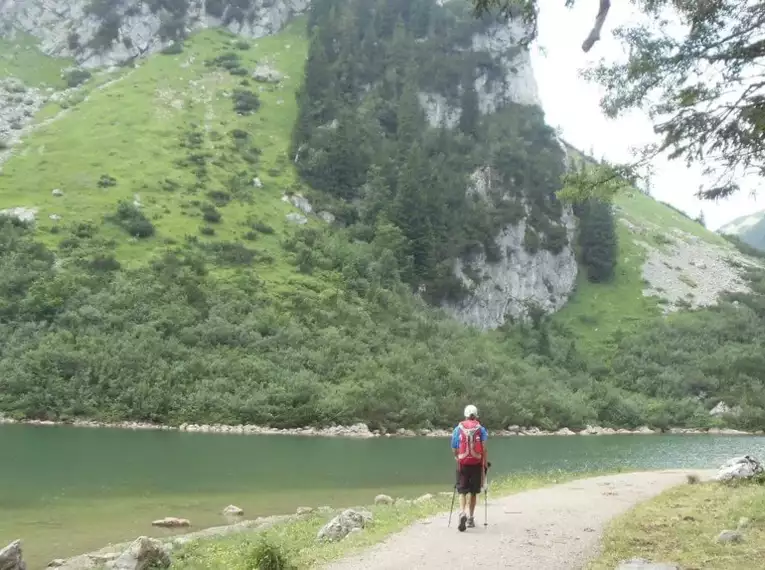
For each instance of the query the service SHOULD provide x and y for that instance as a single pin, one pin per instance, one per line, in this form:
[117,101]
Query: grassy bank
[297,541]
[682,525]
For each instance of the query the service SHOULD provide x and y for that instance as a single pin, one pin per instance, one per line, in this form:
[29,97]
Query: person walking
[469,448]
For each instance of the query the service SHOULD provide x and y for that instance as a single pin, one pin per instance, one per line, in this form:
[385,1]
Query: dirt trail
[555,528]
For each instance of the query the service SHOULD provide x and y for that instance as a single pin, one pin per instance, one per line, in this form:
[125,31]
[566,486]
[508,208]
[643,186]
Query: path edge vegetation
[681,526]
[294,543]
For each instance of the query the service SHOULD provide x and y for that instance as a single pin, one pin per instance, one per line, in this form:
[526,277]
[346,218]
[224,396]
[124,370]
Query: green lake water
[66,491]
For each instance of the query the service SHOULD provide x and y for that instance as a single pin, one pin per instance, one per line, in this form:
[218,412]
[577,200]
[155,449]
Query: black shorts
[469,480]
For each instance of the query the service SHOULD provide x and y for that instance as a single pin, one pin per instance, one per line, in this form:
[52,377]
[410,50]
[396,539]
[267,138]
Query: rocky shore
[361,430]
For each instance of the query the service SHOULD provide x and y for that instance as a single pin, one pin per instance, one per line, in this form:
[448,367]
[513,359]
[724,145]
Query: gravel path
[554,528]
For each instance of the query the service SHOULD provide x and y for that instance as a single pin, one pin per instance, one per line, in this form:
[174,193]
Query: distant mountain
[750,229]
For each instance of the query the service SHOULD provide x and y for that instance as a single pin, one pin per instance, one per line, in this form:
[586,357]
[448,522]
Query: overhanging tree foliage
[696,69]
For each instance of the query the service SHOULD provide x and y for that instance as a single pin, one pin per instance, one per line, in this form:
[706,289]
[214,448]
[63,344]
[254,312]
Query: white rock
[11,557]
[266,74]
[328,217]
[22,214]
[233,510]
[383,500]
[143,554]
[57,192]
[423,499]
[299,201]
[296,218]
[339,527]
[171,522]
[304,510]
[257,183]
[745,467]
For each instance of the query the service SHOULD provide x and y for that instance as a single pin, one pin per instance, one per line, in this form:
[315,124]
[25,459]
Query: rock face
[508,287]
[143,554]
[518,279]
[745,467]
[343,524]
[18,105]
[10,557]
[67,28]
[516,82]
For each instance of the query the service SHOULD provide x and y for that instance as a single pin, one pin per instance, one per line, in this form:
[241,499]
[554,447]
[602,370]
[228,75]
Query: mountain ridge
[197,270]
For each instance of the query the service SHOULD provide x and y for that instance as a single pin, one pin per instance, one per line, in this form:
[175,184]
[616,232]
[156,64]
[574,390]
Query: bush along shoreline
[361,430]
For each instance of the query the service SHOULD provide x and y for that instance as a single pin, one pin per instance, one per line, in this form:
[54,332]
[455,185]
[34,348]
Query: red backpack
[470,451]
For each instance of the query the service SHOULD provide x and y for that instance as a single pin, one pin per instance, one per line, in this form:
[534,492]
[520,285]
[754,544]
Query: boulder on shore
[171,522]
[745,467]
[383,500]
[233,511]
[143,554]
[344,523]
[11,557]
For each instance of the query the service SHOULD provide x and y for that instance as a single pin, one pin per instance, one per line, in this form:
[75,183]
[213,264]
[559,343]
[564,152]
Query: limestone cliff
[519,279]
[109,32]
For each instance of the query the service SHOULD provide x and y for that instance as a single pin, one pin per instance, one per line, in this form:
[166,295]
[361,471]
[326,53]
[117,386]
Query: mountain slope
[750,229]
[175,287]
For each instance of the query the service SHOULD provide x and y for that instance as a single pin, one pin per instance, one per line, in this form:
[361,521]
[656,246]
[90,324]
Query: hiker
[469,447]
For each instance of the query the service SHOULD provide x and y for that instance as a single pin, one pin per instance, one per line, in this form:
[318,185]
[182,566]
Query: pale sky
[572,104]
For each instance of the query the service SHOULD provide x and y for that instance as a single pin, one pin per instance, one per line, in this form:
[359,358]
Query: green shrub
[77,77]
[207,231]
[132,220]
[267,555]
[210,214]
[245,101]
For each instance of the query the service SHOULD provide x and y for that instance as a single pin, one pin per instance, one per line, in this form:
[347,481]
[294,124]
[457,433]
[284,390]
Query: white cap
[471,410]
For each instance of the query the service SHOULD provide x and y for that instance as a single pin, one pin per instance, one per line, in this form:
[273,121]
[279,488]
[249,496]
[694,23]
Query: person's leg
[473,500]
[463,484]
[474,488]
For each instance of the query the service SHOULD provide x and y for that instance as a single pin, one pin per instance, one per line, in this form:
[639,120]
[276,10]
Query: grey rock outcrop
[143,554]
[11,557]
[266,74]
[18,105]
[745,467]
[520,279]
[343,524]
[515,84]
[66,28]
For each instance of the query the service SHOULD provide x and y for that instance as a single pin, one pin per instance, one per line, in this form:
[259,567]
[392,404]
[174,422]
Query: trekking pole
[486,498]
[454,494]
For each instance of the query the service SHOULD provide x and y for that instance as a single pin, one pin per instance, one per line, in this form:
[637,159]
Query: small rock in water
[56,563]
[143,554]
[728,536]
[304,510]
[383,500]
[232,510]
[11,558]
[171,522]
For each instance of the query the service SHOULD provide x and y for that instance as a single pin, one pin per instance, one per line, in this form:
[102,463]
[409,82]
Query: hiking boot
[471,522]
[463,521]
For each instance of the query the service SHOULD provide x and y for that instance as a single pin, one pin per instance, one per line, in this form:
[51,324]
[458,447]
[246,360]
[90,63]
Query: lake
[66,490]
